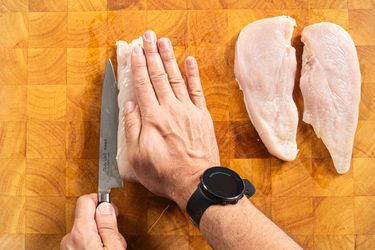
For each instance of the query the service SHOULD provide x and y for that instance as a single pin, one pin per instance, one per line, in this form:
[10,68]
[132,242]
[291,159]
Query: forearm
[242,226]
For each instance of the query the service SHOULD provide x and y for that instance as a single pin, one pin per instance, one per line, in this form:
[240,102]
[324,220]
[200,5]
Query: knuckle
[152,49]
[196,93]
[169,56]
[159,76]
[130,122]
[138,63]
[176,80]
[141,80]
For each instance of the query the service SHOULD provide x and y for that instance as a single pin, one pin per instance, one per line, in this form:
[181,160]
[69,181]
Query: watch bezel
[217,198]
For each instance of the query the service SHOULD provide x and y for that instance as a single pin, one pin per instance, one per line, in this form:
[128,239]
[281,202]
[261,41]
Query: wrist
[186,189]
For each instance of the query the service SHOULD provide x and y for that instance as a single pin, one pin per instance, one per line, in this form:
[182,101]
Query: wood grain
[52,62]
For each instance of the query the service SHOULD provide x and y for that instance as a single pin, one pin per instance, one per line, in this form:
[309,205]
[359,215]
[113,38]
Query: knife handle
[104,197]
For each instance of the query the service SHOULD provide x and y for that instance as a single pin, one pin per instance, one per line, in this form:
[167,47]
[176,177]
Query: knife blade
[109,176]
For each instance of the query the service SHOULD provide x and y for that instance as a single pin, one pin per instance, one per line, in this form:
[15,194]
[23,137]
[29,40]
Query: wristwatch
[218,186]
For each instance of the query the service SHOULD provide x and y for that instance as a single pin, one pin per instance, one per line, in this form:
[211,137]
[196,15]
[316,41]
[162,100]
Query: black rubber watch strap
[197,204]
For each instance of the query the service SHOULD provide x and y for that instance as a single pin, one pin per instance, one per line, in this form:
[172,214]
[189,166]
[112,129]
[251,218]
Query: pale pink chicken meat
[265,67]
[331,89]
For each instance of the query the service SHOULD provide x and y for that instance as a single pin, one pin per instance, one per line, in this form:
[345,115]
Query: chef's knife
[109,176]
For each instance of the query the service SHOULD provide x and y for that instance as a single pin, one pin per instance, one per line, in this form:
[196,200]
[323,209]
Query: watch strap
[249,188]
[197,204]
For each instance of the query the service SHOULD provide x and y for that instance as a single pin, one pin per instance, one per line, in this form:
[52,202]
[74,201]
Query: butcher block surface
[52,61]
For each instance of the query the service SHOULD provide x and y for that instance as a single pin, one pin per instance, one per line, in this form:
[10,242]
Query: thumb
[132,123]
[106,222]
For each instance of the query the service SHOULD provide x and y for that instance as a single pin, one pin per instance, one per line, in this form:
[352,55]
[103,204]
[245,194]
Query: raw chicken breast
[265,67]
[331,88]
[126,93]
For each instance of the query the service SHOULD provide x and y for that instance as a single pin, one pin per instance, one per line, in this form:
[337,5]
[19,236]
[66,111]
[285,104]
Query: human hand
[170,133]
[94,227]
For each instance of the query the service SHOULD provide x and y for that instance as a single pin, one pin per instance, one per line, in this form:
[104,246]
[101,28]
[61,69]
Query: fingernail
[190,61]
[129,107]
[164,44]
[105,208]
[150,36]
[137,51]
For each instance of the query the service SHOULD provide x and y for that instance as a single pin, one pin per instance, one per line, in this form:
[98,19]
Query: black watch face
[222,182]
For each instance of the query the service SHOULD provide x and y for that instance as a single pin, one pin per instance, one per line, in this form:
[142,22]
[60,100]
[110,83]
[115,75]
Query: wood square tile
[158,242]
[193,230]
[333,215]
[47,66]
[291,179]
[125,25]
[328,4]
[81,177]
[132,218]
[13,66]
[47,29]
[217,99]
[45,177]
[237,111]
[327,182]
[344,242]
[207,27]
[294,214]
[12,241]
[166,4]
[12,176]
[338,16]
[366,55]
[50,241]
[364,214]
[238,19]
[213,63]
[361,4]
[46,102]
[14,30]
[87,29]
[206,5]
[164,217]
[83,103]
[198,243]
[305,241]
[86,66]
[45,215]
[12,214]
[169,23]
[82,140]
[264,204]
[126,4]
[305,136]
[14,6]
[70,206]
[13,135]
[225,142]
[87,5]
[363,242]
[247,143]
[363,172]
[257,171]
[364,142]
[45,140]
[367,104]
[361,23]
[48,5]
[261,4]
[13,103]
[318,149]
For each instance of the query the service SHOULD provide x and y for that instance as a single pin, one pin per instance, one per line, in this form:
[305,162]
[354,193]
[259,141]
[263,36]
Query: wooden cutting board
[52,60]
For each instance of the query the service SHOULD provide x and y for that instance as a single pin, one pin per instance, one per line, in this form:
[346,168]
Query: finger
[143,88]
[65,242]
[107,226]
[158,76]
[171,67]
[132,125]
[85,212]
[194,82]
